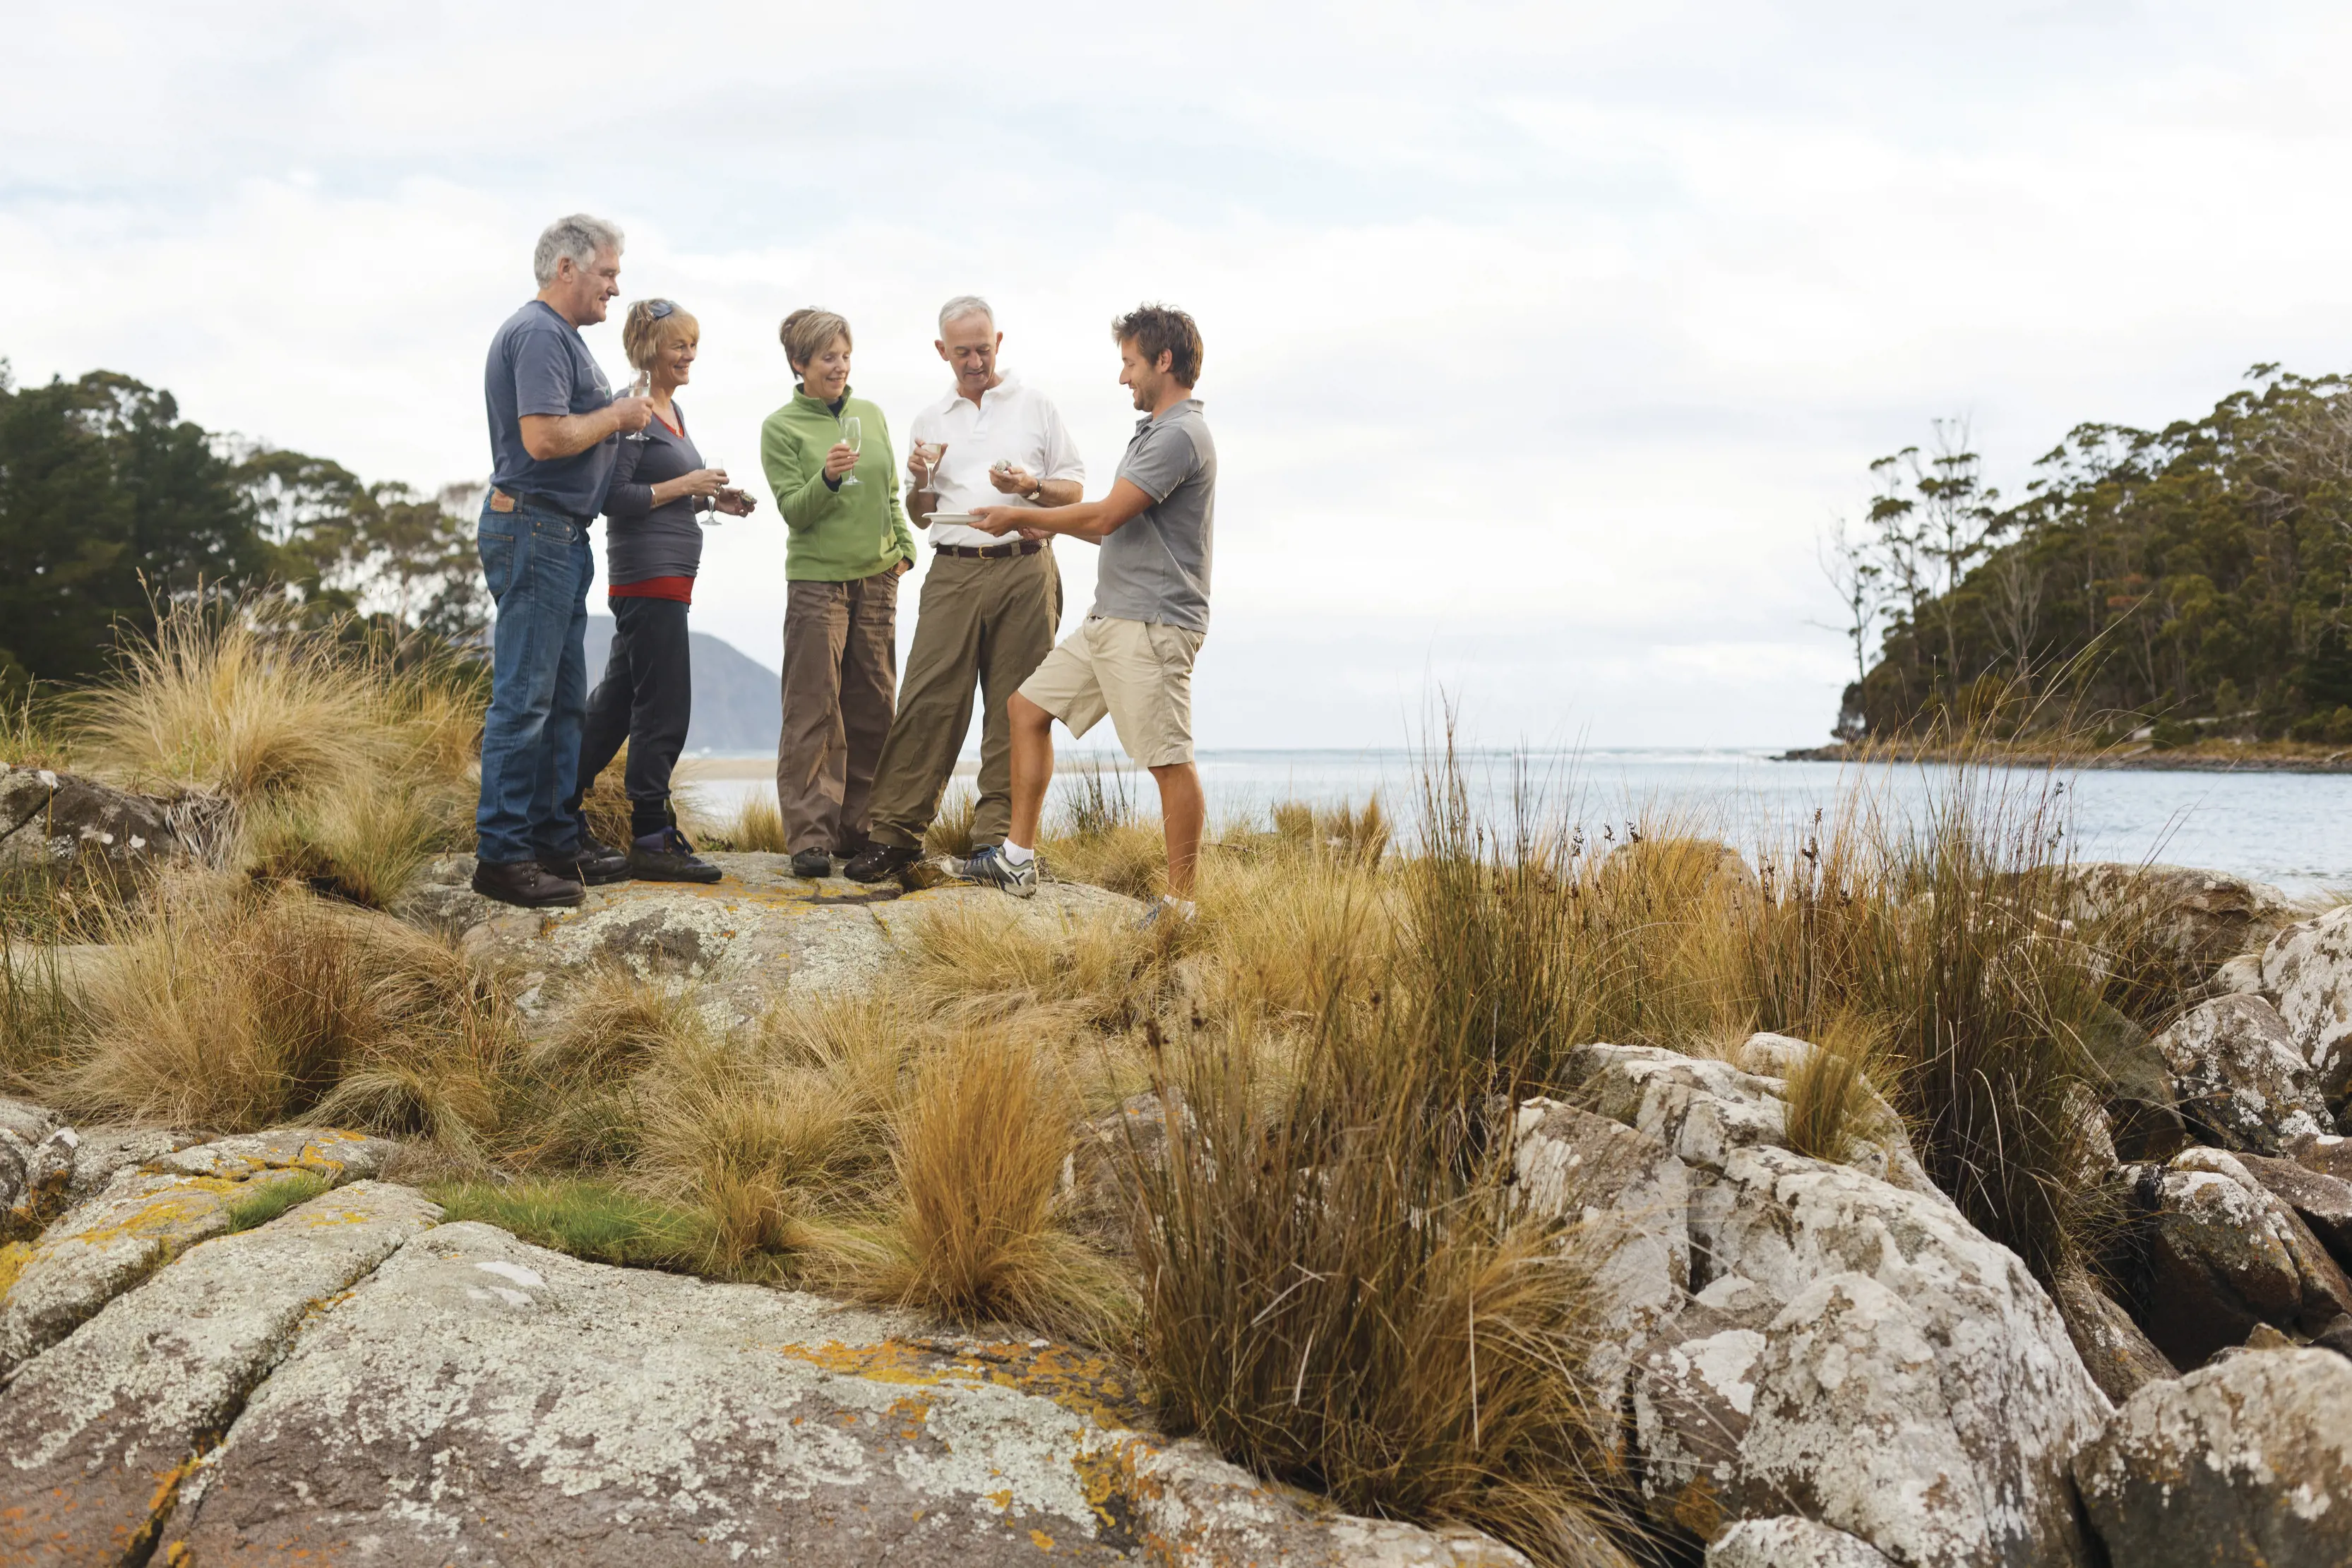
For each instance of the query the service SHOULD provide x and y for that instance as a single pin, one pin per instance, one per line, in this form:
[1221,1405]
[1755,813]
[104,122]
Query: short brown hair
[805,334]
[1156,329]
[644,334]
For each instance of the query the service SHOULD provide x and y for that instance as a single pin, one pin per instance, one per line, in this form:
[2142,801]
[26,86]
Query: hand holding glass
[638,388]
[852,436]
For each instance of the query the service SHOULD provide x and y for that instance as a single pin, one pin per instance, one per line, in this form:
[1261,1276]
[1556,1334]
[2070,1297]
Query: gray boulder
[755,935]
[98,1430]
[2224,1255]
[37,1166]
[143,1218]
[1789,1542]
[2134,1088]
[2240,1077]
[2307,973]
[2245,1464]
[1865,1358]
[2324,1203]
[477,1399]
[2118,1354]
[51,822]
[2200,919]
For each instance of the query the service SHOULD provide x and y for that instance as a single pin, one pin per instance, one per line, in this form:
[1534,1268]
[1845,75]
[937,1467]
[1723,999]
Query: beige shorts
[1138,672]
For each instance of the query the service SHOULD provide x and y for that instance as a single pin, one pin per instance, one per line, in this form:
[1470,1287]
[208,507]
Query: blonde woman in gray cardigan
[653,551]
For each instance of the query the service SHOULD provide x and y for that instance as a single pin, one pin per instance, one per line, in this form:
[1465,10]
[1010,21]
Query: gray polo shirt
[539,365]
[1155,568]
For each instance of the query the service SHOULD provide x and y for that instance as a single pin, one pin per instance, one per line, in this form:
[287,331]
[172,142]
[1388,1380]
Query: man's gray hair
[579,236]
[965,305]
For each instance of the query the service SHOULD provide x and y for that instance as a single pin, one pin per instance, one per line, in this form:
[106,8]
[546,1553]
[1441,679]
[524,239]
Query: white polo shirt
[1010,423]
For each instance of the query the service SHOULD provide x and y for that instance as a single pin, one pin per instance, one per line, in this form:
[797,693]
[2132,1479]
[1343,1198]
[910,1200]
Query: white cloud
[1541,338]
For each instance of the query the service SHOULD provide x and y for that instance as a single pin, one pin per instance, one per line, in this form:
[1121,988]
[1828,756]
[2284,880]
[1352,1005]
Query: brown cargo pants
[841,671]
[987,621]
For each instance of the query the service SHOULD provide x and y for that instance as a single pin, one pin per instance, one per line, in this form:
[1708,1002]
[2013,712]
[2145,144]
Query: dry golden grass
[236,1009]
[348,760]
[951,832]
[970,964]
[978,1234]
[1834,1102]
[756,827]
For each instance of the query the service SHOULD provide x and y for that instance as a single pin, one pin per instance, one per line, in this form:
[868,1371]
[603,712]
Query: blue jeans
[539,567]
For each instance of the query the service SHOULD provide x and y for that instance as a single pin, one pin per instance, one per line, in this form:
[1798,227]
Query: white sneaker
[988,865]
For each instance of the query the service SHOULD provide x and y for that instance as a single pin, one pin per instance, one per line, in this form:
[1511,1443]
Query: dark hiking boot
[812,863]
[853,845]
[878,862]
[595,865]
[527,884]
[666,856]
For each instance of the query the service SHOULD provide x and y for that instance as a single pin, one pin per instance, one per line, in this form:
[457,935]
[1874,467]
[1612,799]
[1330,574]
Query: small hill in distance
[737,705]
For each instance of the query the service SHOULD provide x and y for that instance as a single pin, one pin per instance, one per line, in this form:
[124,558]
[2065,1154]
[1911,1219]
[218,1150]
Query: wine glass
[638,388]
[930,452]
[710,504]
[852,435]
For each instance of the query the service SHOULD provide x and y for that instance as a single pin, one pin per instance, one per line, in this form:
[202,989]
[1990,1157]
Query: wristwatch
[1035,492]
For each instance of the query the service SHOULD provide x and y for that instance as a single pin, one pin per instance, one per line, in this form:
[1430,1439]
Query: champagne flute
[638,388]
[852,435]
[710,504]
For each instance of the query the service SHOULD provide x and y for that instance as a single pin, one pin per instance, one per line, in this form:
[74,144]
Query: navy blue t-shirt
[539,365]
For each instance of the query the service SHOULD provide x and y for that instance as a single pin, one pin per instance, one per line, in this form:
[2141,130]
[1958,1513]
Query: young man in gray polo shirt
[1133,657]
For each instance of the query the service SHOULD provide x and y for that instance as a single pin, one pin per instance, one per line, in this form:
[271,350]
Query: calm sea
[2292,829]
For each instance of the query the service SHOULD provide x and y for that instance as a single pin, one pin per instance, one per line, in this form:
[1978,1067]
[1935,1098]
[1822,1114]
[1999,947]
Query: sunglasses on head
[657,308]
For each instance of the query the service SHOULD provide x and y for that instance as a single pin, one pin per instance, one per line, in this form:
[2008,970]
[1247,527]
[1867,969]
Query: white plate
[966,518]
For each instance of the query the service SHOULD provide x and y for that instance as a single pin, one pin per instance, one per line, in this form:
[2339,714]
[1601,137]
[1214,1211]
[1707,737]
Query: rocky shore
[1806,1362]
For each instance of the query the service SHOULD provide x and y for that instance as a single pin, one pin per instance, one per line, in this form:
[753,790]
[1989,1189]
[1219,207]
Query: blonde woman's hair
[805,334]
[644,334]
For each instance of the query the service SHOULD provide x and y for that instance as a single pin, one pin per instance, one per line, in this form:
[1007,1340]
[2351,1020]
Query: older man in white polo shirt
[990,606]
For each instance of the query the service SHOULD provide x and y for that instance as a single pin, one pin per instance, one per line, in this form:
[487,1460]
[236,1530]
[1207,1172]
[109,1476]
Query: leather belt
[586,519]
[990,552]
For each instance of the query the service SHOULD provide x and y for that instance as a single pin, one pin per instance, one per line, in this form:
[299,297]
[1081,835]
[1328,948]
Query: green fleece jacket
[836,534]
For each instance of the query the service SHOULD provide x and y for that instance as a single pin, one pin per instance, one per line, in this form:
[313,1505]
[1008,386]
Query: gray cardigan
[641,540]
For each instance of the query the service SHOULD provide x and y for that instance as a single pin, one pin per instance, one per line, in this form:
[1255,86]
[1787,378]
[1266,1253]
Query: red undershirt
[680,589]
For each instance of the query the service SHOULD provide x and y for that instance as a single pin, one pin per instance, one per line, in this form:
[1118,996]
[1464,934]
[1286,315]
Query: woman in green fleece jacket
[848,545]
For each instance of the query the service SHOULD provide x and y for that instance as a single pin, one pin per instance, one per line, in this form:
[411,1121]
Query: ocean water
[2290,829]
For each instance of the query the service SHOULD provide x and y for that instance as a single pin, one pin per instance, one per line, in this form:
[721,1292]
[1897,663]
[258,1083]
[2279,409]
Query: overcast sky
[1542,340]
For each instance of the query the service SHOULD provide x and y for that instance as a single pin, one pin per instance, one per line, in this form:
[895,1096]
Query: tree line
[2193,579]
[113,506]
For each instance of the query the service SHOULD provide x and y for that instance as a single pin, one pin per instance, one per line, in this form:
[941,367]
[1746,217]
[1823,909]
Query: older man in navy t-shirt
[554,426]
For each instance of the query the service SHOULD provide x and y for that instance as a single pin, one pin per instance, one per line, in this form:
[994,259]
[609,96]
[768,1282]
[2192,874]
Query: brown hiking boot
[527,884]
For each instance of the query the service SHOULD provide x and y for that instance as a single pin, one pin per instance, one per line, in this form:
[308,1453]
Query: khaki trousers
[841,671]
[989,621]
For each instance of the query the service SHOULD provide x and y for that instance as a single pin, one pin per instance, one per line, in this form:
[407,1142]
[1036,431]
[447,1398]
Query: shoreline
[2143,758]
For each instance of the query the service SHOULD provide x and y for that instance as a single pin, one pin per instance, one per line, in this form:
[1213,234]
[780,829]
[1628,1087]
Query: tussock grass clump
[591,1219]
[1102,837]
[238,1009]
[1832,1100]
[1346,831]
[270,1197]
[971,965]
[950,829]
[347,758]
[1336,1293]
[755,828]
[978,1234]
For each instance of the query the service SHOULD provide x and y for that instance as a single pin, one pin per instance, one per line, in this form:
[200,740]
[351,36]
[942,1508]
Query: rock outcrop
[2223,1255]
[756,936]
[2202,918]
[51,822]
[353,1379]
[1846,1348]
[2240,1077]
[2306,973]
[2243,1464]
